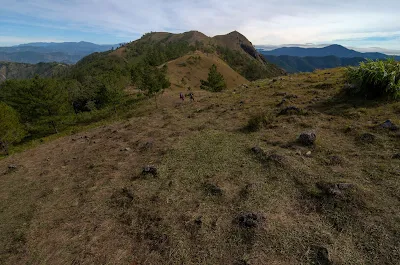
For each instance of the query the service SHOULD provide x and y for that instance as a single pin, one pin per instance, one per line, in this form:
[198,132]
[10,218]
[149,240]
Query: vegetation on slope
[294,64]
[374,79]
[10,70]
[215,81]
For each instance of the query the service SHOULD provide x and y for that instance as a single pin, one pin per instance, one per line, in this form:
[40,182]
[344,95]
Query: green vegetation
[251,69]
[374,79]
[215,81]
[11,130]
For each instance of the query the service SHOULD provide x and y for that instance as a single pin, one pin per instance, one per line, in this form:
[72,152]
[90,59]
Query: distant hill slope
[294,64]
[188,70]
[65,52]
[335,50]
[10,70]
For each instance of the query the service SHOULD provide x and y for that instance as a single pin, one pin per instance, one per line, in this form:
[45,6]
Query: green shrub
[374,79]
[256,122]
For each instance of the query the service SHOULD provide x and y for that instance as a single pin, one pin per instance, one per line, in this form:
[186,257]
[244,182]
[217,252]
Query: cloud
[263,22]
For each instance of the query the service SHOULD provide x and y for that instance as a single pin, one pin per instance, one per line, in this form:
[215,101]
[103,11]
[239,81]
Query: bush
[256,122]
[374,79]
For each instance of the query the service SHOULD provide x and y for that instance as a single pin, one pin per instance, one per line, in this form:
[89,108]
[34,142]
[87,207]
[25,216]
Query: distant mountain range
[64,52]
[299,59]
[335,50]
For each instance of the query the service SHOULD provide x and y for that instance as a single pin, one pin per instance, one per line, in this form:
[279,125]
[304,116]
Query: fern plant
[374,79]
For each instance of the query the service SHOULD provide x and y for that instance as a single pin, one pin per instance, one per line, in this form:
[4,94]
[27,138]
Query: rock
[389,125]
[126,149]
[198,221]
[319,255]
[290,96]
[212,189]
[277,159]
[367,138]
[396,156]
[248,220]
[290,110]
[146,146]
[12,167]
[308,153]
[307,138]
[274,80]
[257,150]
[150,170]
[334,189]
[241,262]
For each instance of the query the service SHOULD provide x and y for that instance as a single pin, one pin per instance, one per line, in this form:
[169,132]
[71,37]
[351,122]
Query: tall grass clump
[374,79]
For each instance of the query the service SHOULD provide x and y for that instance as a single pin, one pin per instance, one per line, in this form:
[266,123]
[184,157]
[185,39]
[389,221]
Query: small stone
[319,255]
[289,110]
[307,138]
[257,150]
[12,167]
[126,149]
[308,153]
[248,220]
[388,124]
[150,170]
[396,156]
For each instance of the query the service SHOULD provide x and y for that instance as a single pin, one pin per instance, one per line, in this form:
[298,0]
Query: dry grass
[83,200]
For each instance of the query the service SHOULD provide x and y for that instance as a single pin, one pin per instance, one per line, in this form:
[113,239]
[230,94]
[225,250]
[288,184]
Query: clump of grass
[374,79]
[257,121]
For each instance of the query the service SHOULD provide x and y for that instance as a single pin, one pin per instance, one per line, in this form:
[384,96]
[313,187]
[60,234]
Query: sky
[353,23]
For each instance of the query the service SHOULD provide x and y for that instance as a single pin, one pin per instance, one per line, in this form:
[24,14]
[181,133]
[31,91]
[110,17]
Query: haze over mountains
[300,59]
[64,52]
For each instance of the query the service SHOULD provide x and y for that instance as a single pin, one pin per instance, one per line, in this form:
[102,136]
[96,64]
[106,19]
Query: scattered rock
[150,170]
[126,149]
[12,167]
[334,189]
[248,220]
[212,189]
[367,138]
[257,150]
[308,153]
[198,221]
[396,156]
[307,138]
[389,125]
[319,255]
[290,110]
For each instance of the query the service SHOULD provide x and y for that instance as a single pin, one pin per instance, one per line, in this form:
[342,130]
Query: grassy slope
[81,200]
[195,67]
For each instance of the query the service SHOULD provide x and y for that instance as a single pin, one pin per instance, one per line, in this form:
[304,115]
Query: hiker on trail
[181,96]
[191,95]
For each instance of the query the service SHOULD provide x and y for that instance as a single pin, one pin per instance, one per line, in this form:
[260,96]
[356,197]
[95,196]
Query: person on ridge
[181,96]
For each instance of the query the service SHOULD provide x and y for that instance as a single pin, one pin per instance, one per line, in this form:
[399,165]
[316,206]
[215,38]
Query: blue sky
[356,23]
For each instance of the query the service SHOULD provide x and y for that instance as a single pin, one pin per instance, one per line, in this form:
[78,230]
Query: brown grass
[81,200]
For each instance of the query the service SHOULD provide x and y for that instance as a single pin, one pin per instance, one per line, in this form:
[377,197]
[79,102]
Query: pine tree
[11,130]
[215,81]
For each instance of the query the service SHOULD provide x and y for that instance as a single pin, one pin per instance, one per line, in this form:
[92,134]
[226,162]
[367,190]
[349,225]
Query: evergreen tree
[11,130]
[215,81]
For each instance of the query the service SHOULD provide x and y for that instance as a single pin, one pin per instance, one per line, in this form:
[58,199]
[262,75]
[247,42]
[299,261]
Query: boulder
[319,255]
[307,138]
[367,138]
[289,110]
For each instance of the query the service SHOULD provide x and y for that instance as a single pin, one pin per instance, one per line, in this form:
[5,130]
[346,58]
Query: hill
[331,50]
[9,70]
[217,193]
[64,52]
[295,64]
